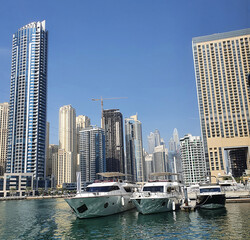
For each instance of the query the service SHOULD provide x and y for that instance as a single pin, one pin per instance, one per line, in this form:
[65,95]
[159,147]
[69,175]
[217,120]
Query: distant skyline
[136,49]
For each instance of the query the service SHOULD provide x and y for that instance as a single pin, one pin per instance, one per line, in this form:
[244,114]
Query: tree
[40,191]
[28,190]
[12,191]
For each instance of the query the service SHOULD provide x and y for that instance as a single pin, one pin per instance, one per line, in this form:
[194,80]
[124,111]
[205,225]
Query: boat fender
[122,201]
[173,205]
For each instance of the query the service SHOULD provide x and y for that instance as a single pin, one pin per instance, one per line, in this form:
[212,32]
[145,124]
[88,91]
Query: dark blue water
[52,219]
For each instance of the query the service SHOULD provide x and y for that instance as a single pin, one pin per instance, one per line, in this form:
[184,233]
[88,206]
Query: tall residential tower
[28,99]
[193,161]
[222,64]
[67,153]
[4,113]
[134,164]
[92,153]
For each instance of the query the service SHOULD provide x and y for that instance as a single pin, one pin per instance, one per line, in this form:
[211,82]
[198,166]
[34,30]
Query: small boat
[158,196]
[210,197]
[102,199]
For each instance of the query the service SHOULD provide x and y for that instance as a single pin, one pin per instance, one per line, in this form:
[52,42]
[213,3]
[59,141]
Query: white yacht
[210,197]
[158,196]
[102,199]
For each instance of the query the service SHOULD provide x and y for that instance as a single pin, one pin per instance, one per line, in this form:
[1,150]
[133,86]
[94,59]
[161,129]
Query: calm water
[52,219]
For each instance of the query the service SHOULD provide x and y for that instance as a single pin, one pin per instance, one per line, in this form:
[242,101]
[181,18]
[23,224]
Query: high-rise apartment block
[53,159]
[222,64]
[28,99]
[113,126]
[154,140]
[48,160]
[160,159]
[134,164]
[67,153]
[92,153]
[82,122]
[4,113]
[193,161]
[148,165]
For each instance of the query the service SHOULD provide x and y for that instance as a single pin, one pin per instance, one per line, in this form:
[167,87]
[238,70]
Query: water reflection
[52,219]
[213,214]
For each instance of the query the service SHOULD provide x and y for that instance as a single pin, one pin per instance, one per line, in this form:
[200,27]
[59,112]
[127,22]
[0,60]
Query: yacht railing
[155,194]
[100,194]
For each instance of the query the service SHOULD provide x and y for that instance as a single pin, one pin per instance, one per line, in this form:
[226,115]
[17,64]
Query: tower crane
[101,99]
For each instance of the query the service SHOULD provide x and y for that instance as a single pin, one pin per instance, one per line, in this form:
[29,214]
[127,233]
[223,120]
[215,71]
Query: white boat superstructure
[102,199]
[210,197]
[158,196]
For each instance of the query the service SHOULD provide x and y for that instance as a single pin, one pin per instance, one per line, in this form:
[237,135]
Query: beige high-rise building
[67,153]
[4,113]
[222,66]
[82,122]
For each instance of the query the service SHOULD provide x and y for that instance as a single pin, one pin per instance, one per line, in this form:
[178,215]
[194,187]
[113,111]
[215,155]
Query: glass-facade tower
[134,164]
[28,98]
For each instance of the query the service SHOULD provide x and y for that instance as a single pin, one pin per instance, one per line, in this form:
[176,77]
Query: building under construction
[113,126]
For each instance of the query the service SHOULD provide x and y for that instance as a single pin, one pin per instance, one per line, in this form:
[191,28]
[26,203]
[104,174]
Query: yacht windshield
[102,189]
[204,190]
[153,189]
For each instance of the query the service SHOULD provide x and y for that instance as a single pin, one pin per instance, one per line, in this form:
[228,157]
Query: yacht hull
[211,201]
[90,207]
[155,205]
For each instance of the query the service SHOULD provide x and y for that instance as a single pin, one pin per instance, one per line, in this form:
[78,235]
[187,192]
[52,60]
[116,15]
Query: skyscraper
[176,139]
[160,159]
[113,126]
[67,153]
[28,99]
[82,122]
[154,140]
[134,164]
[149,168]
[174,158]
[48,160]
[193,161]
[4,113]
[222,64]
[53,158]
[92,153]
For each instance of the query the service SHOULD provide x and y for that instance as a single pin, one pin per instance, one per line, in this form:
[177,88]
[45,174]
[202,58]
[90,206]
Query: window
[153,189]
[102,189]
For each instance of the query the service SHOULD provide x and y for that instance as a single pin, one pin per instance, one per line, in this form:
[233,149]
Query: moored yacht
[102,199]
[210,197]
[158,196]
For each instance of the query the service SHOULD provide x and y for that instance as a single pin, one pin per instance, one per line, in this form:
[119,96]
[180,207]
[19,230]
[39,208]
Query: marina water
[53,219]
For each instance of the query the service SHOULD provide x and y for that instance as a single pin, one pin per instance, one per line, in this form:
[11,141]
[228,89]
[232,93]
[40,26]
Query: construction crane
[101,99]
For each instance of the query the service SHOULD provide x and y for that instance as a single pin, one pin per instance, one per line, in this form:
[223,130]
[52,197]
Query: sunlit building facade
[4,113]
[222,65]
[134,164]
[92,153]
[28,100]
[67,153]
[193,160]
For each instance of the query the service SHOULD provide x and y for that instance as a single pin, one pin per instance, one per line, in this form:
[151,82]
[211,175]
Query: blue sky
[140,49]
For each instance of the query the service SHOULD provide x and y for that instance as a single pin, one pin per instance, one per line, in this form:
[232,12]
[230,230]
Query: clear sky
[140,49]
